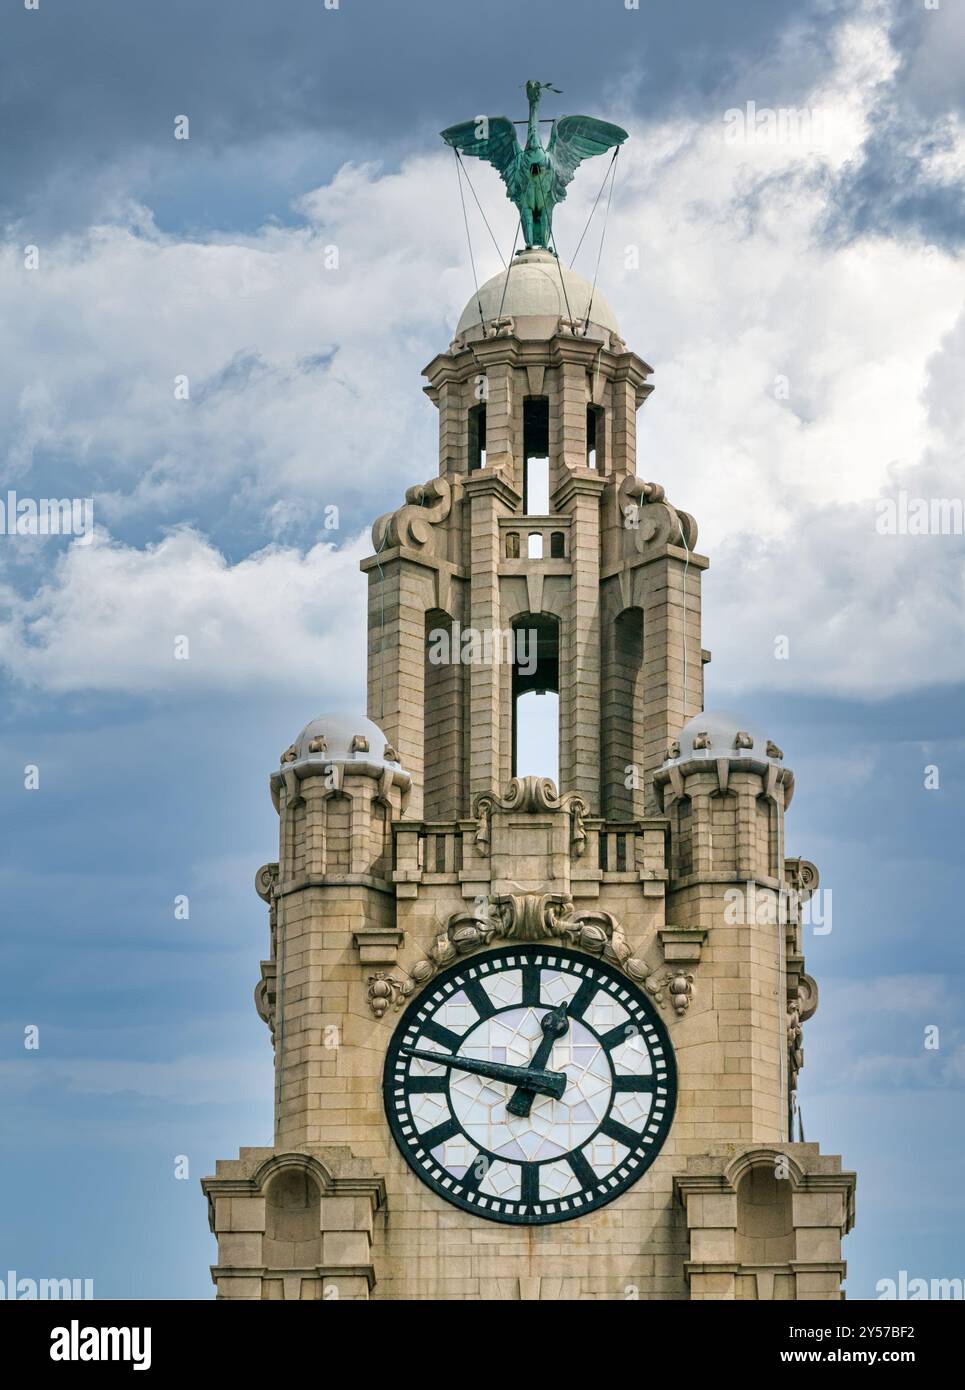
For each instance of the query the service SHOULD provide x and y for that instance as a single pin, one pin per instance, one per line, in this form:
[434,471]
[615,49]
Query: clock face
[554,1091]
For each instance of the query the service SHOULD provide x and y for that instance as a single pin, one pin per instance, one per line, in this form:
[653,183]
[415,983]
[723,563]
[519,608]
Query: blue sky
[801,303]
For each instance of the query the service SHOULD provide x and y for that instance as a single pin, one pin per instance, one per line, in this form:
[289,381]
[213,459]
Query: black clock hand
[546,1083]
[554,1023]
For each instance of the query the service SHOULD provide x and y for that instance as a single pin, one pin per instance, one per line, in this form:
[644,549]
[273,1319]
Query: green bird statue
[536,178]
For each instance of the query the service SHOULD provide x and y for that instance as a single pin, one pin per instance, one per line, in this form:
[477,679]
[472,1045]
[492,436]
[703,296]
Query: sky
[797,283]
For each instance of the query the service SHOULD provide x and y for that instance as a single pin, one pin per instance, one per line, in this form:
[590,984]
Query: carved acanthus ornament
[266,882]
[514,917]
[531,795]
[802,1003]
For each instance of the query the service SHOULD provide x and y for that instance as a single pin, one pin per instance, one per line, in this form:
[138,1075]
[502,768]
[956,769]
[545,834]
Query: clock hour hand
[554,1023]
[535,1080]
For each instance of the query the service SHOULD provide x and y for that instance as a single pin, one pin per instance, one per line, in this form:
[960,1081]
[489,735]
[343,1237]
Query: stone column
[580,685]
[401,590]
[671,626]
[489,498]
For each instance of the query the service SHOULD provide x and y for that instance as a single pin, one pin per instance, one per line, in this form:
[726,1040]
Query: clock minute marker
[445,1037]
[581,999]
[635,1083]
[432,1138]
[613,1129]
[584,1173]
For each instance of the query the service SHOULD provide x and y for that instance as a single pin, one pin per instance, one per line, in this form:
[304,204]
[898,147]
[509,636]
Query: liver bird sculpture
[536,178]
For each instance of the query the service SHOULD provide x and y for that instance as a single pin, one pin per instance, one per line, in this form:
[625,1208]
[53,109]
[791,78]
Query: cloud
[799,377]
[111,618]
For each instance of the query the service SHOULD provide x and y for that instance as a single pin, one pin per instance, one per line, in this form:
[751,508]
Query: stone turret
[607,576]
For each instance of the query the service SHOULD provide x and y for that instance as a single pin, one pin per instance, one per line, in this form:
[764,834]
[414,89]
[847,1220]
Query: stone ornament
[674,987]
[385,992]
[808,996]
[266,990]
[519,917]
[411,524]
[803,877]
[657,523]
[266,995]
[265,881]
[530,795]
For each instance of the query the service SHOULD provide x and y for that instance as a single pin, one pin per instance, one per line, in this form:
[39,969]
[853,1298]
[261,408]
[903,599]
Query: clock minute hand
[545,1083]
[554,1023]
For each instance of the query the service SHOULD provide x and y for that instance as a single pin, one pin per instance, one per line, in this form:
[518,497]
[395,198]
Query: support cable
[472,259]
[478,203]
[606,218]
[594,208]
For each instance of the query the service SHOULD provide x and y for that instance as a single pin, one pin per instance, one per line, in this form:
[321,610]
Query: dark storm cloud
[89,89]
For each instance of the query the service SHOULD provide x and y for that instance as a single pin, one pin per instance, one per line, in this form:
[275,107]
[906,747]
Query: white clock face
[553,1092]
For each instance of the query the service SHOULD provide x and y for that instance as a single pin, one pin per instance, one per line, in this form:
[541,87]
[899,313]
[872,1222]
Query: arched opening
[534,545]
[622,715]
[535,696]
[594,436]
[536,449]
[512,545]
[477,438]
[765,1222]
[557,545]
[292,1221]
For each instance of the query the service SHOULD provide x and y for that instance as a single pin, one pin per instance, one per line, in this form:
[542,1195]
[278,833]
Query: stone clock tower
[535,1037]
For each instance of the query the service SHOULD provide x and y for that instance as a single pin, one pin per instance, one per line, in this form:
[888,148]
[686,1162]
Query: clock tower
[537,1026]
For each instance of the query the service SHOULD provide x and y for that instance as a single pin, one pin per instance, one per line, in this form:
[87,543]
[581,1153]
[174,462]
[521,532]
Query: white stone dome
[721,734]
[341,738]
[534,297]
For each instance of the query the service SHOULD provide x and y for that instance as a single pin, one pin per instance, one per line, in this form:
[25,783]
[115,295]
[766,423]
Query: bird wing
[575,138]
[500,147]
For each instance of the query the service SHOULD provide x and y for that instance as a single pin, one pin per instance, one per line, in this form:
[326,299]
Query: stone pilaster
[489,498]
[580,658]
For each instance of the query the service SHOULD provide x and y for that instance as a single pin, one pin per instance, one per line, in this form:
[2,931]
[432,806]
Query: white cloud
[305,391]
[110,617]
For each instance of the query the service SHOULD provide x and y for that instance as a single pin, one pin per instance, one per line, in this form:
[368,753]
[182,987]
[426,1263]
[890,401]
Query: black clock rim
[524,951]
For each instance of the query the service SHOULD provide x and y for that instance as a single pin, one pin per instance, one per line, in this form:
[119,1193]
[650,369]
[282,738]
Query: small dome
[341,738]
[534,296]
[719,734]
